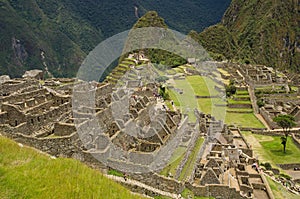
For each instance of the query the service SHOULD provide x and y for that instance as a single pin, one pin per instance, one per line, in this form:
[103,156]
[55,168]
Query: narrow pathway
[255,107]
[142,185]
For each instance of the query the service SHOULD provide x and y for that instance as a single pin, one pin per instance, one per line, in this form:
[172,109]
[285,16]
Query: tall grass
[26,173]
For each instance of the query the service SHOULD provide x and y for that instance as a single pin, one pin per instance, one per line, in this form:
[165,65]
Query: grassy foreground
[26,173]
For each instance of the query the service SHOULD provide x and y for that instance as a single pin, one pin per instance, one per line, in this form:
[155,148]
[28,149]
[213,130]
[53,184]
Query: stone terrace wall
[289,166]
[159,182]
[296,140]
[216,191]
[266,117]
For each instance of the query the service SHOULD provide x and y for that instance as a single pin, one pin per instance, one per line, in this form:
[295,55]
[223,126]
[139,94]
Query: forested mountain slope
[58,34]
[264,32]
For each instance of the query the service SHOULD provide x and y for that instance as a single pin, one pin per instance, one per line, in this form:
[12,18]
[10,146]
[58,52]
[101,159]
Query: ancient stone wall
[289,166]
[159,182]
[216,191]
[64,129]
[296,140]
[267,118]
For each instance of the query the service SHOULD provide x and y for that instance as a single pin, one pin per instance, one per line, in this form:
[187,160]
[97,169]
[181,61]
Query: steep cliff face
[260,31]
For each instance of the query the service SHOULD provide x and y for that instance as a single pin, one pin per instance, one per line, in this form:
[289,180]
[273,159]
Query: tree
[286,122]
[230,89]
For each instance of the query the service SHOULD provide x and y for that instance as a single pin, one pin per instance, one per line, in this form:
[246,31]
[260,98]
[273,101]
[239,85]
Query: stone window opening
[38,119]
[32,122]
[16,122]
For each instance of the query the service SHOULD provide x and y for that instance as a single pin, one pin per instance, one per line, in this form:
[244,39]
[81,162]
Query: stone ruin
[226,160]
[44,114]
[90,121]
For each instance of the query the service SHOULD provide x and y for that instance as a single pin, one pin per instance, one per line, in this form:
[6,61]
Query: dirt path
[143,186]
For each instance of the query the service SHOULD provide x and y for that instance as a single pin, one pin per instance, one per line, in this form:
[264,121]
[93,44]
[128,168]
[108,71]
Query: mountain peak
[150,19]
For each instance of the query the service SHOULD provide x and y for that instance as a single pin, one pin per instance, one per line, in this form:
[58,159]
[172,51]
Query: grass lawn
[275,151]
[269,149]
[196,85]
[26,173]
[186,102]
[243,119]
[242,92]
[174,162]
[231,101]
[188,167]
[203,86]
[279,191]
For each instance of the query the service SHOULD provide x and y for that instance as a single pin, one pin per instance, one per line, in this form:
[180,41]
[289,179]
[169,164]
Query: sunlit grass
[189,165]
[25,173]
[270,149]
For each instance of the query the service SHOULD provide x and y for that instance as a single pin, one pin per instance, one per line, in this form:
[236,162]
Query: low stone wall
[275,171]
[295,140]
[242,98]
[268,133]
[289,166]
[216,191]
[159,182]
[273,133]
[59,147]
[64,129]
[206,97]
[268,120]
[231,111]
[252,129]
[248,106]
[140,190]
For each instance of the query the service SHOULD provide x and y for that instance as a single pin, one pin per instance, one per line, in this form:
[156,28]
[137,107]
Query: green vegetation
[174,162]
[186,101]
[66,30]
[189,166]
[26,173]
[161,197]
[115,173]
[158,56]
[291,155]
[279,191]
[286,122]
[197,85]
[230,89]
[269,150]
[186,193]
[202,86]
[256,26]
[243,120]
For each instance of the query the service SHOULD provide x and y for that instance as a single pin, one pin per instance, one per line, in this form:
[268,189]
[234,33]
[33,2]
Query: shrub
[260,103]
[268,166]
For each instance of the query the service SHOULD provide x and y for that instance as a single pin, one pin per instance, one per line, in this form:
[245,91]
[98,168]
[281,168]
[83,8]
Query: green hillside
[58,34]
[26,173]
[265,32]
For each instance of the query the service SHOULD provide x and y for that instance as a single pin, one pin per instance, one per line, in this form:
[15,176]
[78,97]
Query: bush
[260,103]
[268,166]
[230,89]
